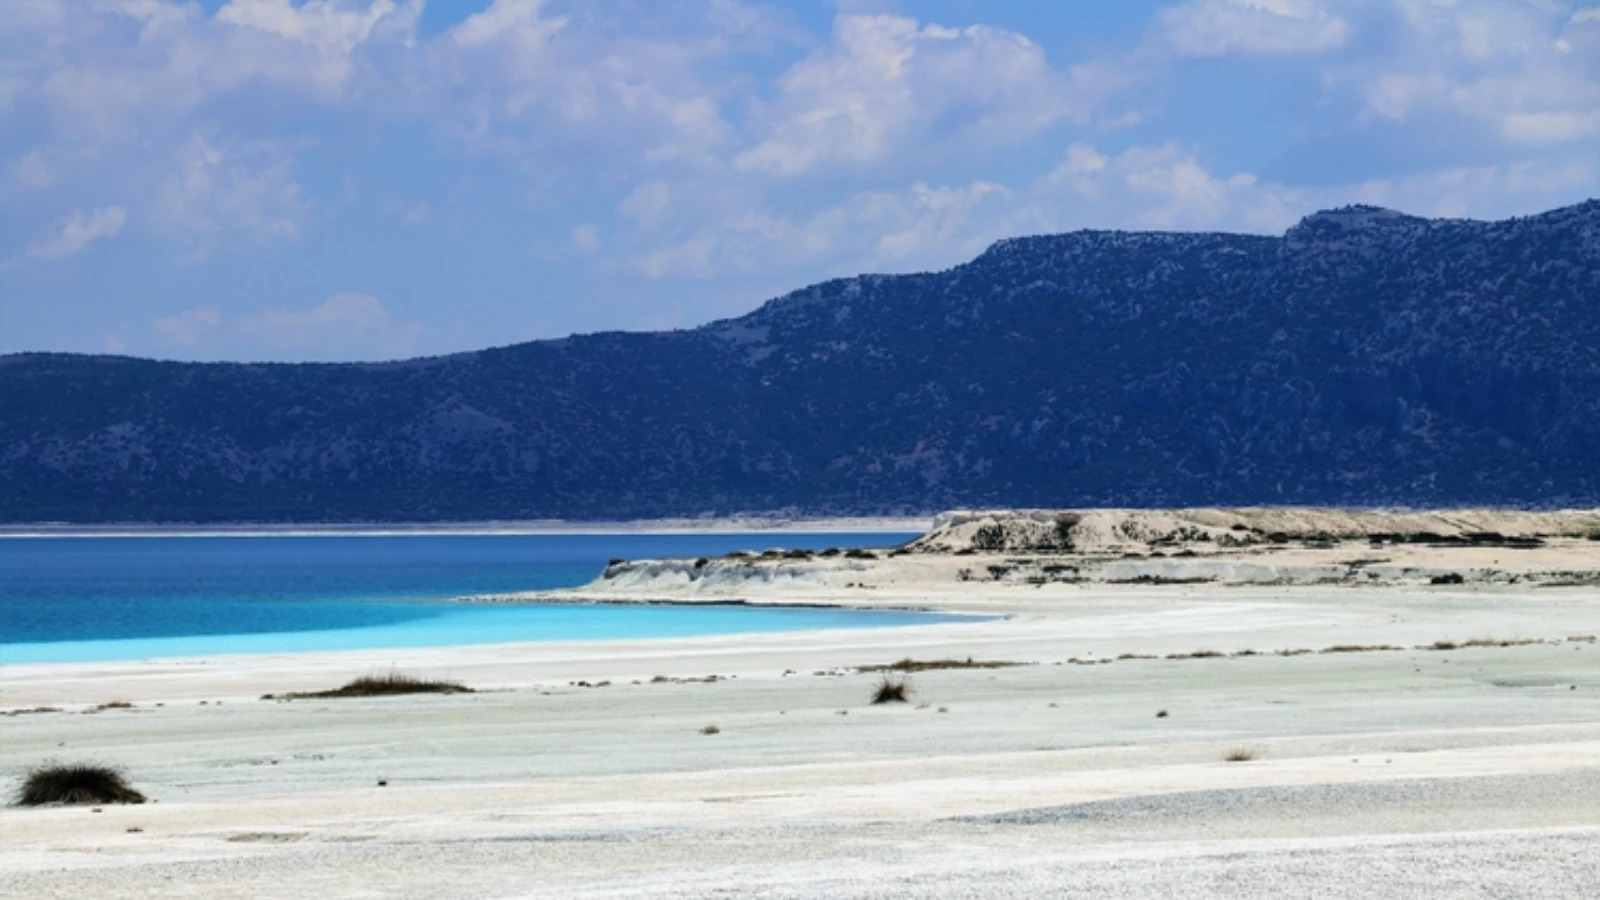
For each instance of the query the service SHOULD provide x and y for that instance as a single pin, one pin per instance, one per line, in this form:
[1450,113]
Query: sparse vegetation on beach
[1239,754]
[32,711]
[891,690]
[928,665]
[391,684]
[75,784]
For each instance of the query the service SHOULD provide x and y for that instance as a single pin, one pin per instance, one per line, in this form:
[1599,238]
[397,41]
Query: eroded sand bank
[1414,772]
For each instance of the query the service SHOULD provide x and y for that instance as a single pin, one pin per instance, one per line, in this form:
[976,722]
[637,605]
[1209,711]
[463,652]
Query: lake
[75,599]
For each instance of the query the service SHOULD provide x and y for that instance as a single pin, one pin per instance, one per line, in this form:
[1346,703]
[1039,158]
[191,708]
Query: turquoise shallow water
[87,599]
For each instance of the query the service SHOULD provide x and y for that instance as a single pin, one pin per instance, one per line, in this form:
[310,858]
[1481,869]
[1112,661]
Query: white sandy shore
[1400,773]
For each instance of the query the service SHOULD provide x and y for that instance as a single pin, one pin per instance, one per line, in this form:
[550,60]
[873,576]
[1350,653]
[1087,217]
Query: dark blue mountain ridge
[1364,358]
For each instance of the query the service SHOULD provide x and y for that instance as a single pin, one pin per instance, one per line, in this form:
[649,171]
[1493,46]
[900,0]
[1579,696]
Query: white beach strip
[1394,737]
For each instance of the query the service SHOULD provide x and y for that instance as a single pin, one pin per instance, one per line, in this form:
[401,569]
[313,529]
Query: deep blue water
[78,599]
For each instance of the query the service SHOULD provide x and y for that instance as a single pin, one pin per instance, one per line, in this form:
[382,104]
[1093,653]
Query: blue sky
[371,179]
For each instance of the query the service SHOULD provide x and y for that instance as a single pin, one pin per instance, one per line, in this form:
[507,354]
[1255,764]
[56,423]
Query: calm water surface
[81,599]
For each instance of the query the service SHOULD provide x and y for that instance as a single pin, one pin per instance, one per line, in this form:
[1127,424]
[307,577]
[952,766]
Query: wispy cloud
[78,231]
[345,324]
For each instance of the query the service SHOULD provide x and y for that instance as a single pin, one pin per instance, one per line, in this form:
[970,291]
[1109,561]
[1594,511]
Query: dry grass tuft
[392,684]
[1239,754]
[32,711]
[891,690]
[711,729]
[77,784]
[929,665]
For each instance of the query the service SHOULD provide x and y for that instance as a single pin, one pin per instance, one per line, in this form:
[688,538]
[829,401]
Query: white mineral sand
[1381,773]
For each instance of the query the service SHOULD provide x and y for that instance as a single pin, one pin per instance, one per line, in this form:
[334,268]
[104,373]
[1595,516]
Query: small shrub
[1448,578]
[1239,754]
[1161,714]
[891,690]
[388,685]
[711,729]
[991,538]
[77,784]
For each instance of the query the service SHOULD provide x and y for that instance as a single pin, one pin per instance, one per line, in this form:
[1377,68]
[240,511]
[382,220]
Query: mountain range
[1364,358]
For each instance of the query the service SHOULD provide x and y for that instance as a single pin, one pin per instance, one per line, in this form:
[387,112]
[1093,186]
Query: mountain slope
[1364,358]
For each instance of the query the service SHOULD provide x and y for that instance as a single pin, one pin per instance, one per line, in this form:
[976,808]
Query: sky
[292,180]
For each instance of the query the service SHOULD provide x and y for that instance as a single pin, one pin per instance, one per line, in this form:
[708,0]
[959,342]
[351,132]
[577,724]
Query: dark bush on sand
[78,784]
[891,690]
[388,685]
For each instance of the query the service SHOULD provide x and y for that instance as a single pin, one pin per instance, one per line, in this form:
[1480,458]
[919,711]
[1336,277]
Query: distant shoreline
[730,525]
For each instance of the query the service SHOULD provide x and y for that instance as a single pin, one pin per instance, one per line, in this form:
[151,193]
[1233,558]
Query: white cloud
[1486,191]
[939,215]
[1158,187]
[1521,71]
[346,325]
[918,227]
[119,73]
[648,203]
[1213,28]
[32,171]
[343,313]
[187,328]
[516,79]
[586,238]
[77,232]
[1166,186]
[333,27]
[216,188]
[885,81]
[1552,127]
